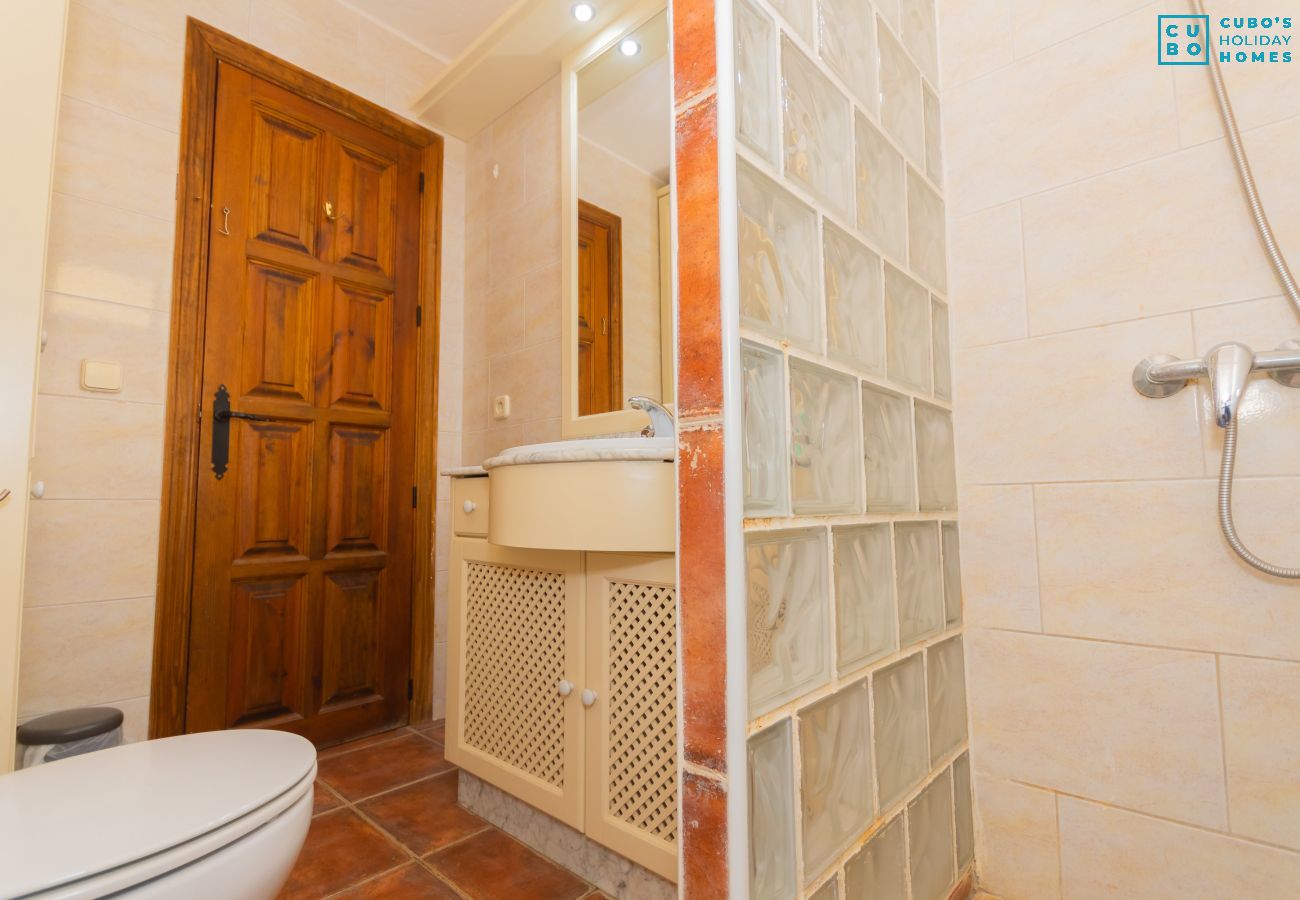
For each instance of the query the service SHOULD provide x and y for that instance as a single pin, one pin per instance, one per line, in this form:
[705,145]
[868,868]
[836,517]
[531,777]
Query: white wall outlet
[501,407]
[97,375]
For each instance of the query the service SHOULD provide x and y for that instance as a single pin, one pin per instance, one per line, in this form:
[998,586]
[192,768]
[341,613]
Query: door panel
[600,310]
[303,559]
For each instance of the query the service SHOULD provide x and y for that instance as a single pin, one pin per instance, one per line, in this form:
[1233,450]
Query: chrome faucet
[661,420]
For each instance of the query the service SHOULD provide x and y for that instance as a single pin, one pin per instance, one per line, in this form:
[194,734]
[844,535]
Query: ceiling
[634,120]
[443,27]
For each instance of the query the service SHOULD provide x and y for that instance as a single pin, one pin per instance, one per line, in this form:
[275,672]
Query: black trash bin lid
[69,725]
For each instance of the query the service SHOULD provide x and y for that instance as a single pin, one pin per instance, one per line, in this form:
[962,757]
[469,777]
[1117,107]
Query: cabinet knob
[469,506]
[588,697]
[565,688]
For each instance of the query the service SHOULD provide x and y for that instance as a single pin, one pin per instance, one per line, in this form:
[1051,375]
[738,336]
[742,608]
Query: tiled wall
[512,278]
[858,774]
[92,547]
[1135,689]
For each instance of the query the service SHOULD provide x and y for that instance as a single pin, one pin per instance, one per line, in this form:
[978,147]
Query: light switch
[501,407]
[97,375]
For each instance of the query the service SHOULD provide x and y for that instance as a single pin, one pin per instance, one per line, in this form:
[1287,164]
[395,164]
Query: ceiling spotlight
[629,47]
[583,12]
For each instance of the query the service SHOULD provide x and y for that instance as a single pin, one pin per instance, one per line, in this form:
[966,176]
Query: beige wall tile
[121,68]
[408,70]
[84,653]
[135,719]
[1036,25]
[1114,853]
[166,18]
[1006,136]
[988,277]
[1269,413]
[1261,730]
[999,560]
[84,550]
[1144,562]
[1016,842]
[115,160]
[532,379]
[104,253]
[1137,243]
[1128,725]
[131,336]
[126,461]
[1063,408]
[974,39]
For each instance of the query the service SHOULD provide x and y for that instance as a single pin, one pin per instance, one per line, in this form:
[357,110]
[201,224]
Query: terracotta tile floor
[386,825]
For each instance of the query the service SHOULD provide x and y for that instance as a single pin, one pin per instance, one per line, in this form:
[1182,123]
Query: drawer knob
[565,688]
[469,506]
[588,697]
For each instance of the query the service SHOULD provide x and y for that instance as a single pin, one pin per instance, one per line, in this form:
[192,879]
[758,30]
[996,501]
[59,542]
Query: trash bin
[70,732]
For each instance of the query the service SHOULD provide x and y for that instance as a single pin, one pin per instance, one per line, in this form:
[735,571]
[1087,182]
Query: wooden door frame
[205,48]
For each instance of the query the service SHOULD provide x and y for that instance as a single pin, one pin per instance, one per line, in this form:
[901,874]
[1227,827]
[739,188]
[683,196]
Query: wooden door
[303,547]
[600,310]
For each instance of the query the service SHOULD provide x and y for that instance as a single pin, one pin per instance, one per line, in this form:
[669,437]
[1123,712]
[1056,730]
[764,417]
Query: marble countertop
[576,454]
[464,472]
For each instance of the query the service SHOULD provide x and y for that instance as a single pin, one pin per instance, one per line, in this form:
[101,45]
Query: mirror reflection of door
[600,310]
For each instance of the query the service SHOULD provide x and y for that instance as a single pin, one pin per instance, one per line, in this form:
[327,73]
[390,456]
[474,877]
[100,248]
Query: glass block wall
[859,778]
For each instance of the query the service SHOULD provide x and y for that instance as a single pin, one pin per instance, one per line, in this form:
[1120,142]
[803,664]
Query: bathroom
[910,575]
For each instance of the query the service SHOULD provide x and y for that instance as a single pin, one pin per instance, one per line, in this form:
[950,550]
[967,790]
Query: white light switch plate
[97,375]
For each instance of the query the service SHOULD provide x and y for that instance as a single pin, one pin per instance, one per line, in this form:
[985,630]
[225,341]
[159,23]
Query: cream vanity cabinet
[562,671]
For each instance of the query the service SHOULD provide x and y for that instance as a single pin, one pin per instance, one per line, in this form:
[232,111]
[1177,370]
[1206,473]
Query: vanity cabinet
[562,685]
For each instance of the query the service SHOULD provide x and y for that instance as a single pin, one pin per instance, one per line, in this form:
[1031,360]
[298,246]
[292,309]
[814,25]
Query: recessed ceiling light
[629,47]
[583,12]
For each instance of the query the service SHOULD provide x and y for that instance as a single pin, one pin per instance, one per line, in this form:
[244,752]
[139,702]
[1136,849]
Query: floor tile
[424,816]
[366,772]
[341,849]
[361,743]
[411,882]
[436,730]
[323,799]
[491,865]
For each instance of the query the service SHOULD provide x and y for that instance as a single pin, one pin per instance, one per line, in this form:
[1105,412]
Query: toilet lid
[77,817]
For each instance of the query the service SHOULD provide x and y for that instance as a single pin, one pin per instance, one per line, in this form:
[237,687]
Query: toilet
[217,814]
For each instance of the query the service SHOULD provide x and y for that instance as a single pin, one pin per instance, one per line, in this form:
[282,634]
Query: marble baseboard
[604,868]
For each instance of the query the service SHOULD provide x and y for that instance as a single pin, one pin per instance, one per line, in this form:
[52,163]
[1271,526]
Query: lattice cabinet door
[632,719]
[515,661]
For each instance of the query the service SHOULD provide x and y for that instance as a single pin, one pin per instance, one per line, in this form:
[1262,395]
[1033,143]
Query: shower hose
[1283,272]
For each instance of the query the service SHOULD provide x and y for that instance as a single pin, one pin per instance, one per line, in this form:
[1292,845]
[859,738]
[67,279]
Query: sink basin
[602,494]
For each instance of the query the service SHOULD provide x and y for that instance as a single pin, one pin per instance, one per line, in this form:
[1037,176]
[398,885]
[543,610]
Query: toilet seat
[110,821]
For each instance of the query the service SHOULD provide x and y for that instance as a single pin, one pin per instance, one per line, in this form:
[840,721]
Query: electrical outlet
[501,407]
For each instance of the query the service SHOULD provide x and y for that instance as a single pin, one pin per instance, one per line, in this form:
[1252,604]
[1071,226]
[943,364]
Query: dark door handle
[221,416]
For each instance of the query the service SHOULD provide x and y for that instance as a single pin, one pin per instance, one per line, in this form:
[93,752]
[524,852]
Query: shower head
[1229,366]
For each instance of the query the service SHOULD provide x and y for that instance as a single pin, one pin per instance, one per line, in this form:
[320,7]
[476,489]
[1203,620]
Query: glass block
[799,14]
[936,467]
[866,625]
[951,574]
[756,104]
[817,143]
[779,291]
[855,301]
[920,33]
[848,45]
[926,244]
[900,95]
[789,615]
[835,791]
[880,187]
[887,448]
[826,449]
[964,811]
[907,342]
[920,584]
[828,891]
[766,469]
[771,813]
[933,136]
[899,728]
[879,870]
[930,839]
[941,351]
[946,687]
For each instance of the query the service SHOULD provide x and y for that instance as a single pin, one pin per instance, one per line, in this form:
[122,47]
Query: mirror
[618,133]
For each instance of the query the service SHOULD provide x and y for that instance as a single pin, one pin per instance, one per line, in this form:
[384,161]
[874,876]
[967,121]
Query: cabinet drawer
[469,506]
